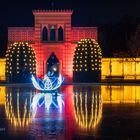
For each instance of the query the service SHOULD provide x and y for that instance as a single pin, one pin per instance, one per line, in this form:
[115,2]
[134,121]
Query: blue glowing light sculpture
[47,99]
[48,83]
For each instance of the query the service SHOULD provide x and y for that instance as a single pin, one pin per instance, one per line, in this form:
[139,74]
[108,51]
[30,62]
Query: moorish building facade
[52,37]
[55,42]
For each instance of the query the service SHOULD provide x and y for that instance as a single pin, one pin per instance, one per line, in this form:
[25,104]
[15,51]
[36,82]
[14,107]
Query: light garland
[88,52]
[20,56]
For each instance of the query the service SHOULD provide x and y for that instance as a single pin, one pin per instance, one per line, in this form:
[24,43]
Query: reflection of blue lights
[47,99]
[48,83]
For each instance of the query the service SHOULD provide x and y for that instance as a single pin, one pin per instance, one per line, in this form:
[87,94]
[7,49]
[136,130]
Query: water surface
[73,112]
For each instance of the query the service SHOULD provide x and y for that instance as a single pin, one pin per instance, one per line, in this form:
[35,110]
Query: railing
[115,77]
[120,77]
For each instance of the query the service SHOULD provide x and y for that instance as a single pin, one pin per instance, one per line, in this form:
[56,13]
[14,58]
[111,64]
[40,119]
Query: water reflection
[88,107]
[73,113]
[17,107]
[49,121]
[47,99]
[121,94]
[2,95]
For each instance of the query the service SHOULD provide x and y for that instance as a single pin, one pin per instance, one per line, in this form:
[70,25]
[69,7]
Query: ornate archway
[52,66]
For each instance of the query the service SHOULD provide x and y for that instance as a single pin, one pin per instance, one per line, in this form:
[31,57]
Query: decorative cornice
[56,11]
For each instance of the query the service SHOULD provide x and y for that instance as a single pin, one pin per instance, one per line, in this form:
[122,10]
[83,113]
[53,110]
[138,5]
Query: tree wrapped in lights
[87,61]
[20,62]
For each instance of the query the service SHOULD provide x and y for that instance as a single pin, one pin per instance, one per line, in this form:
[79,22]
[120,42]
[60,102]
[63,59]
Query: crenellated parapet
[62,11]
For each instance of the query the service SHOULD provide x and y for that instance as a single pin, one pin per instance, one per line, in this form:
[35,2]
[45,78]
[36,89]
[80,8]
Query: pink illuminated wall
[20,34]
[63,50]
[83,32]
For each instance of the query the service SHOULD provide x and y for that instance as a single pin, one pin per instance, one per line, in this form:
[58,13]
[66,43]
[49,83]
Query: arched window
[52,33]
[45,34]
[60,34]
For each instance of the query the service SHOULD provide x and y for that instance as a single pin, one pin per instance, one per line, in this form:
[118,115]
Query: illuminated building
[110,67]
[128,68]
[52,37]
[55,40]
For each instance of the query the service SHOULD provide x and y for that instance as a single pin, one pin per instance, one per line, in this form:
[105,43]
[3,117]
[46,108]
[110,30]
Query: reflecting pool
[72,112]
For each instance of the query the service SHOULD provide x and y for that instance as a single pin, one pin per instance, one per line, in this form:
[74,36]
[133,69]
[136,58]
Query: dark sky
[86,12]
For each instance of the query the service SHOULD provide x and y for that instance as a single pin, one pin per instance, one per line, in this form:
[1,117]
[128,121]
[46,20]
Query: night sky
[86,12]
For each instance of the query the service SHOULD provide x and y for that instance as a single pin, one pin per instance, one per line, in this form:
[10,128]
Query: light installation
[47,99]
[48,83]
[20,62]
[87,61]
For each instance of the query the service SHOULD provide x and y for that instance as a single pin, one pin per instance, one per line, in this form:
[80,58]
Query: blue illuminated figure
[49,82]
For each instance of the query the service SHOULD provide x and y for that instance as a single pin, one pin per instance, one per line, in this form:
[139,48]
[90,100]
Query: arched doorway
[52,66]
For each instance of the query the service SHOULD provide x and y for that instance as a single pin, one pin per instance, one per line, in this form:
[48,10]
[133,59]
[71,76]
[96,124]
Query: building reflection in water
[87,107]
[2,95]
[120,94]
[77,111]
[17,106]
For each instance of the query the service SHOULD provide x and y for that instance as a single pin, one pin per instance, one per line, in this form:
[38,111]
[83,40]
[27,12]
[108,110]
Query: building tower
[52,35]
